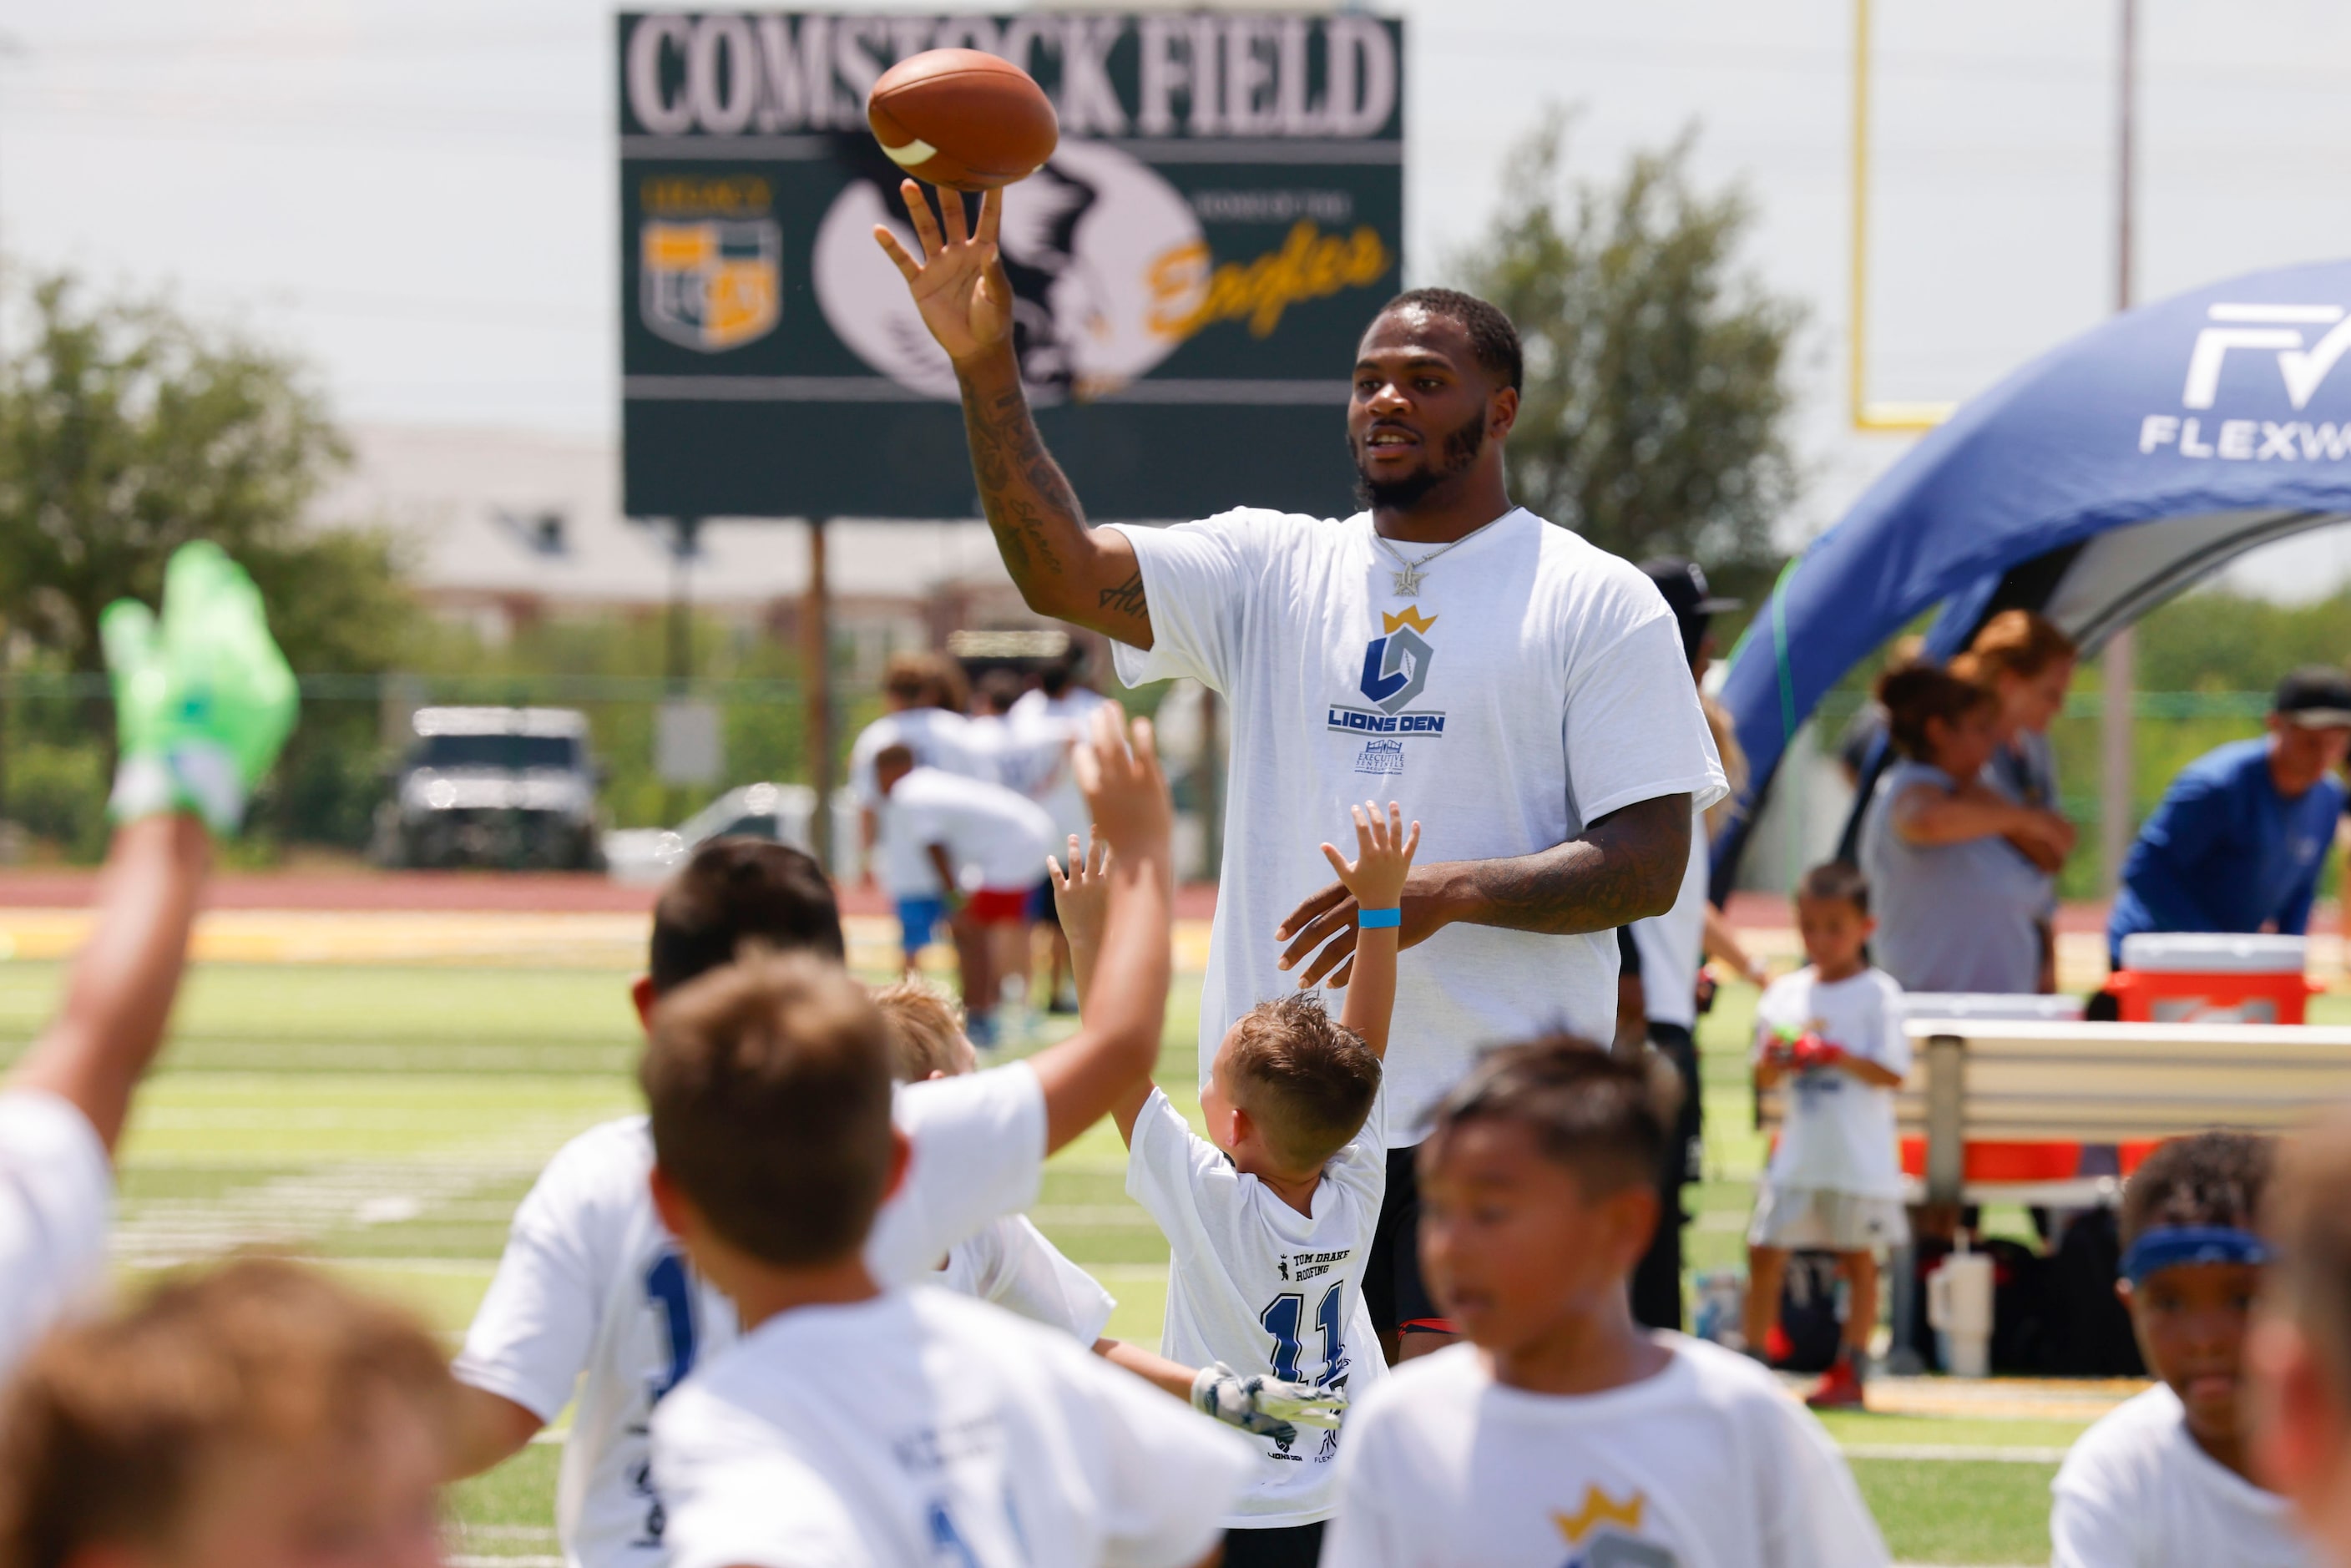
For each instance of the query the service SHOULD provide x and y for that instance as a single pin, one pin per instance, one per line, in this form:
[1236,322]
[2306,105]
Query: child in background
[1563,1432]
[1269,1219]
[1831,1032]
[2162,1480]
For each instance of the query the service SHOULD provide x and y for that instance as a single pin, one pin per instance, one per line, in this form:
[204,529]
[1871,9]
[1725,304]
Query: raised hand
[1118,772]
[1383,856]
[1081,894]
[204,699]
[960,284]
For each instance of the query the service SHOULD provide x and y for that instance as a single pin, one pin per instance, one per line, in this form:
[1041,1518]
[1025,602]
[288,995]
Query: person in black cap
[2241,834]
[1658,977]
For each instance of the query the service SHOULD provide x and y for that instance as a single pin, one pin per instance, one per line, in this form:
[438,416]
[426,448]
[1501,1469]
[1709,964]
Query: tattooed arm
[1626,866]
[1063,568]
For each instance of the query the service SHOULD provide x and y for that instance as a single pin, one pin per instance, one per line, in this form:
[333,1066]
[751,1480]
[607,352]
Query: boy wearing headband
[2162,1479]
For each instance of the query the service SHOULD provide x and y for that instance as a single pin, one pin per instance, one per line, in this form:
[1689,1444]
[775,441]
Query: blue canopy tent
[2092,485]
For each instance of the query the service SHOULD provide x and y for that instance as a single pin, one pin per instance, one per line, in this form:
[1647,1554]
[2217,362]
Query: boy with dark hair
[731,888]
[2164,1478]
[857,1424]
[1831,1032]
[2298,1351]
[1564,1430]
[238,1418]
[591,1283]
[1269,1219]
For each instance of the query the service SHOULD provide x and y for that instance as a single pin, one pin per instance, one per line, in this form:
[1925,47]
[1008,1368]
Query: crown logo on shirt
[1599,1508]
[1411,617]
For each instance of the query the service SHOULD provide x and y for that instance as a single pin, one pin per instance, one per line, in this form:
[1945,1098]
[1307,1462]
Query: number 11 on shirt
[1281,1319]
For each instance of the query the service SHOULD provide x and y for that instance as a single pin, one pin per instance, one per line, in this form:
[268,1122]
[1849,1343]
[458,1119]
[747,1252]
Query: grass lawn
[386,1120]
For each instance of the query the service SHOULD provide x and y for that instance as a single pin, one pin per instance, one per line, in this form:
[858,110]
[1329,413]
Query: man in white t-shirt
[2165,1480]
[915,717]
[854,1424]
[1565,1432]
[1521,692]
[986,844]
[591,1286]
[203,701]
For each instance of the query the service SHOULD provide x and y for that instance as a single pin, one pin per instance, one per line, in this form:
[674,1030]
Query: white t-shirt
[925,1428]
[591,1284]
[1709,1464]
[1264,1288]
[57,1206]
[1673,945]
[2136,1491]
[1010,1263]
[1536,683]
[1049,725]
[939,739]
[994,837]
[1838,1135]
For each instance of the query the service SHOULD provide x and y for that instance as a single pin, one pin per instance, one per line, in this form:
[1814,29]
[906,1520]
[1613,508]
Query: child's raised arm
[1095,1071]
[1376,876]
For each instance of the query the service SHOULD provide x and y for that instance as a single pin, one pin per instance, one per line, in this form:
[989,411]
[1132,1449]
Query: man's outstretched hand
[960,284]
[1326,920]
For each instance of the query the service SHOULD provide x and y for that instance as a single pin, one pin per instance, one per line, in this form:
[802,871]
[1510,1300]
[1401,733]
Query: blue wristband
[1379,919]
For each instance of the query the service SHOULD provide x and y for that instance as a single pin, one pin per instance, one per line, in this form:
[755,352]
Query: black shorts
[1399,1303]
[1282,1546]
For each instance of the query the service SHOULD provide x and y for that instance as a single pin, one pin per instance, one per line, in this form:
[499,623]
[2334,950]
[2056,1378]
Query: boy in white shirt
[2298,1351]
[592,1292]
[1270,1220]
[986,844]
[854,1425]
[1563,1432]
[1831,1032]
[2162,1480]
[1010,1262]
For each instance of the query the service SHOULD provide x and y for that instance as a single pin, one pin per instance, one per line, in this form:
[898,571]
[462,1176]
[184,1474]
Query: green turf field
[384,1121]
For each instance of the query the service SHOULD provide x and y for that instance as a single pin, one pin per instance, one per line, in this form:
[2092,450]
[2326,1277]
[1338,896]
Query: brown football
[963,119]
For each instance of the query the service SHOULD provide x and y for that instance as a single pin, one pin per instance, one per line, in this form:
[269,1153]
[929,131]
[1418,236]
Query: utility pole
[816,677]
[2114,717]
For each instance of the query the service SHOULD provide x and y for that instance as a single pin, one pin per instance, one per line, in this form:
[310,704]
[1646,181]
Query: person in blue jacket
[2241,834]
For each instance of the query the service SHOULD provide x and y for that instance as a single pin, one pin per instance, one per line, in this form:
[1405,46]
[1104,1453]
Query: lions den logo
[1396,673]
[710,261]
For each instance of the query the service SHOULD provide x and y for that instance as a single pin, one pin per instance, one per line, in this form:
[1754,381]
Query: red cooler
[1988,1161]
[2183,977]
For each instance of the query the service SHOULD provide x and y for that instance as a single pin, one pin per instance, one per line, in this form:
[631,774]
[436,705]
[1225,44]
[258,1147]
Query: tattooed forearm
[1022,489]
[1126,599]
[1627,866]
[1061,566]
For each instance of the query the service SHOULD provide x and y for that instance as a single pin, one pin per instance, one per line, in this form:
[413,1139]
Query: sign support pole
[2115,715]
[816,677]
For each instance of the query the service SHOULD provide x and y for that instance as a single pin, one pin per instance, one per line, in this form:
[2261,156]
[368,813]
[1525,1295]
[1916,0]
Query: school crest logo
[1396,662]
[711,284]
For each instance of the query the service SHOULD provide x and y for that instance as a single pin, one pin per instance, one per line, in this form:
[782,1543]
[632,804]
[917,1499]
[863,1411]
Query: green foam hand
[204,699]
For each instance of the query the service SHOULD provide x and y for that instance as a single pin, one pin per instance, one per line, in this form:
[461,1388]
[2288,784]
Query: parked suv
[509,787]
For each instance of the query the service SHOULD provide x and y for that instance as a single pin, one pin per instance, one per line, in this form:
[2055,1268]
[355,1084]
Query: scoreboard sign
[1191,271]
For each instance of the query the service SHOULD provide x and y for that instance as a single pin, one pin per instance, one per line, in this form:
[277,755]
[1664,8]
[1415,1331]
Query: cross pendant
[1407,582]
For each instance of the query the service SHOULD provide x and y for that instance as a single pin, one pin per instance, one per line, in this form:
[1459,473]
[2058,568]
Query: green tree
[1654,419]
[126,429]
